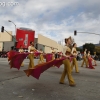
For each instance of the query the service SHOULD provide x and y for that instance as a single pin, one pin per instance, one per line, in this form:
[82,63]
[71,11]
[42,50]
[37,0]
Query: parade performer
[60,54]
[74,61]
[50,56]
[41,59]
[67,64]
[31,50]
[53,53]
[95,64]
[85,59]
[40,68]
[10,54]
[21,51]
[90,59]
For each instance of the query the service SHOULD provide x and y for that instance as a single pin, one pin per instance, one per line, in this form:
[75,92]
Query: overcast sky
[56,19]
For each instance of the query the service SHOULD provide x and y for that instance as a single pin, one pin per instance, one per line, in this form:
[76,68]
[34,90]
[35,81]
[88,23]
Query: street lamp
[14,24]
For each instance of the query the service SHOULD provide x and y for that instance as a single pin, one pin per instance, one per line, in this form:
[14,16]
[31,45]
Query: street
[15,85]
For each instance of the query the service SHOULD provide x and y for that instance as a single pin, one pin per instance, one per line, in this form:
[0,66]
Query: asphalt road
[15,85]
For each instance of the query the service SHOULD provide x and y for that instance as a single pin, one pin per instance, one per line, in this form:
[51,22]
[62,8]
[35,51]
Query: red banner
[17,60]
[11,54]
[38,69]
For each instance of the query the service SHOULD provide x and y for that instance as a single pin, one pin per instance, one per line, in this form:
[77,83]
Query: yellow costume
[88,54]
[31,50]
[21,50]
[74,61]
[53,56]
[85,60]
[92,59]
[41,60]
[67,67]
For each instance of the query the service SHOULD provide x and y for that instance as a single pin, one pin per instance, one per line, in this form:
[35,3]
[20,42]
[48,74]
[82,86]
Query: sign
[26,40]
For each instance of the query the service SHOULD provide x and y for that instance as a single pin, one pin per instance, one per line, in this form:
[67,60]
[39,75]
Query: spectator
[99,57]
[79,57]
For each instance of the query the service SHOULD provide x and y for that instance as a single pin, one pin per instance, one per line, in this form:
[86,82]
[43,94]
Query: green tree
[97,50]
[90,47]
[79,49]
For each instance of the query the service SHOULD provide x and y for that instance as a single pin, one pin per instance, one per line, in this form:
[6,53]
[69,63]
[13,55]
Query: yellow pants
[53,56]
[74,63]
[31,58]
[67,71]
[84,61]
[41,60]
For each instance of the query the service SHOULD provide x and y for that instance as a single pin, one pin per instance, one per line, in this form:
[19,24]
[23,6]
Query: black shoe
[61,83]
[72,85]
[77,72]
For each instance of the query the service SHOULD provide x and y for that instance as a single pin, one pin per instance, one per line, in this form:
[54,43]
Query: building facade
[5,37]
[42,42]
[46,44]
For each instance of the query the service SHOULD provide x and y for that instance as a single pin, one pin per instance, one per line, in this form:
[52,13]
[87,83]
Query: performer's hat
[72,39]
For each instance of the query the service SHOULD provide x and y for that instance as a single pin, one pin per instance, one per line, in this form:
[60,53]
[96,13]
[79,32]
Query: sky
[55,19]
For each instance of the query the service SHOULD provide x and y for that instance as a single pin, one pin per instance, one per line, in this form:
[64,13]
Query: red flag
[11,54]
[17,60]
[48,57]
[38,69]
